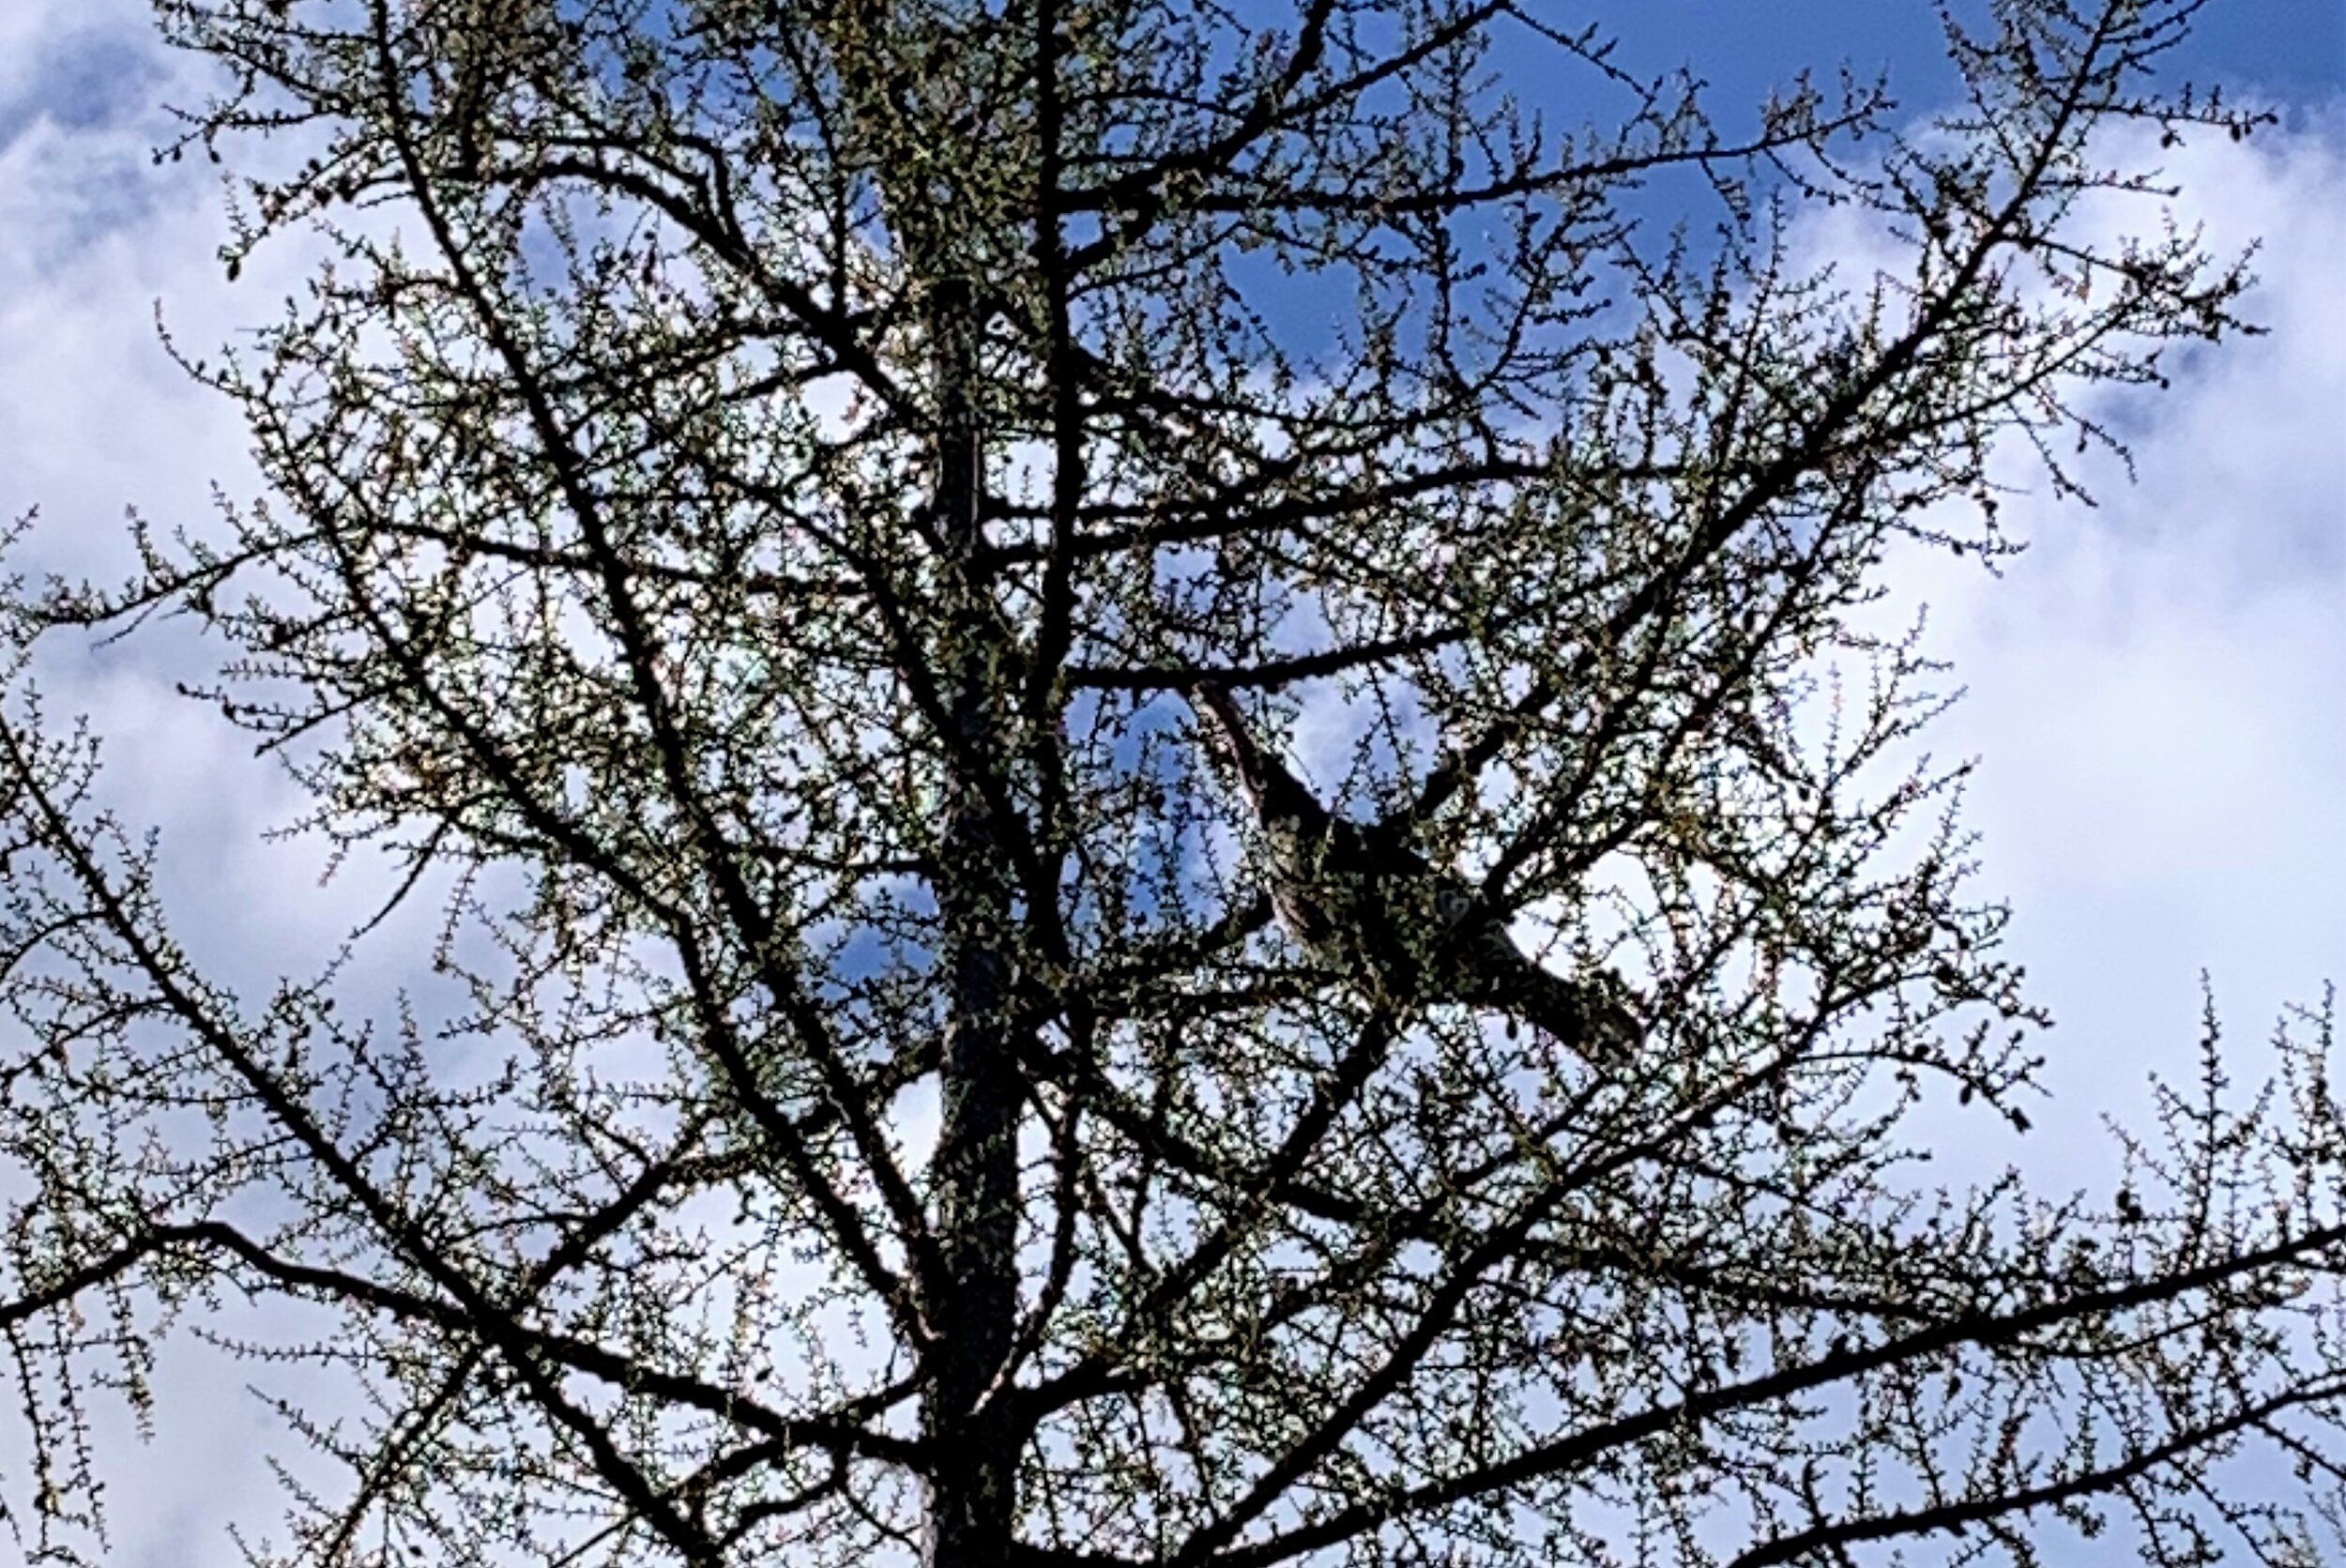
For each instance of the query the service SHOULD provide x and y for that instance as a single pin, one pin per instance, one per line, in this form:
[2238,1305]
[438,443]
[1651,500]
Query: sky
[2153,688]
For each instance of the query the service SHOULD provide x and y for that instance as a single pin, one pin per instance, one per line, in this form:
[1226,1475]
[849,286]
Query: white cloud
[94,418]
[2154,685]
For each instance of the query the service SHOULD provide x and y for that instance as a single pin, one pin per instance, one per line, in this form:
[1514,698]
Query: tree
[745,502]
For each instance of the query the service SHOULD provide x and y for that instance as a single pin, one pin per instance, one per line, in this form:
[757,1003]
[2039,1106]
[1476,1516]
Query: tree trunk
[971,1496]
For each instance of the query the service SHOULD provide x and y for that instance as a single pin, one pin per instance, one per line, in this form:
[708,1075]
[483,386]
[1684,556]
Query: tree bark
[971,1484]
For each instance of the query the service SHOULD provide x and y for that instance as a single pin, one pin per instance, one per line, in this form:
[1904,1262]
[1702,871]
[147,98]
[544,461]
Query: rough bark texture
[972,1499]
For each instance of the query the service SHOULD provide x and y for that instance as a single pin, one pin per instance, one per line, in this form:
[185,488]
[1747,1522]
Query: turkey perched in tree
[1354,894]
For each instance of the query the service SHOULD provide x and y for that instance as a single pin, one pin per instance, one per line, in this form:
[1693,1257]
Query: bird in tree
[1357,896]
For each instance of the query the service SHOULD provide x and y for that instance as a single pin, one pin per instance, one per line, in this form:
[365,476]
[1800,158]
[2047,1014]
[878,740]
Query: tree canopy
[753,498]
